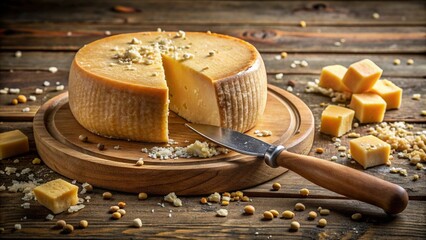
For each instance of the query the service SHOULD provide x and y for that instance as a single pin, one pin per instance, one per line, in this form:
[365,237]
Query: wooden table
[338,32]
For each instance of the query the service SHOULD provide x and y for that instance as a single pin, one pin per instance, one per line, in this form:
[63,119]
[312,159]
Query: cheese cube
[331,77]
[13,143]
[369,151]
[369,107]
[391,93]
[336,120]
[361,76]
[57,195]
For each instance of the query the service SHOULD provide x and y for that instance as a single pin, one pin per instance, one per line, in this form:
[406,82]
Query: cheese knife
[344,180]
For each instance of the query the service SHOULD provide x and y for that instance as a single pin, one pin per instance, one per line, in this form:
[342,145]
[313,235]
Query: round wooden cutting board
[56,134]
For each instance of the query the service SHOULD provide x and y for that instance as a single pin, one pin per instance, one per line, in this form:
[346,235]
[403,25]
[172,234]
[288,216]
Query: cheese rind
[13,143]
[127,96]
[331,77]
[361,76]
[369,107]
[56,195]
[369,151]
[391,93]
[336,120]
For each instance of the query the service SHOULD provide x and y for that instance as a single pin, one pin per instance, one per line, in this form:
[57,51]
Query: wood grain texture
[361,39]
[217,12]
[56,133]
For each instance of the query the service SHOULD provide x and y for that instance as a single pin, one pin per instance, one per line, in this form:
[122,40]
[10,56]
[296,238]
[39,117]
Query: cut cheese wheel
[121,86]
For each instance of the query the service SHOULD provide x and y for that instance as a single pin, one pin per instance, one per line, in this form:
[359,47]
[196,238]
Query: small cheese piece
[361,76]
[369,151]
[13,143]
[336,120]
[369,107]
[331,77]
[57,195]
[391,93]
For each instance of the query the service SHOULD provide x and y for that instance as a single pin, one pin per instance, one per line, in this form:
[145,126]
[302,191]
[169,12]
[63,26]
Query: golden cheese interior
[120,86]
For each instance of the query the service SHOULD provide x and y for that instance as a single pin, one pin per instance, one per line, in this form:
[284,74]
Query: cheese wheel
[123,86]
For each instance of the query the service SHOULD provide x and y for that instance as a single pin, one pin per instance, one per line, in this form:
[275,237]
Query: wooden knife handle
[347,181]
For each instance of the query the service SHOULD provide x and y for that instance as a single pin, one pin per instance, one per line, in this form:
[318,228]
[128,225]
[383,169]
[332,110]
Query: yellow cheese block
[391,93]
[331,77]
[369,151]
[361,76]
[13,143]
[369,107]
[57,195]
[121,86]
[336,120]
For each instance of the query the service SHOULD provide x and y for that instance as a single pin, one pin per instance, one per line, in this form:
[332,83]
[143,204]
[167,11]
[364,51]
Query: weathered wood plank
[217,12]
[41,61]
[194,220]
[266,39]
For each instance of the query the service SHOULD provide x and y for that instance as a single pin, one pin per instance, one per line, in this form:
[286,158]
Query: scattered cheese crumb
[284,55]
[53,69]
[14,90]
[302,24]
[18,54]
[410,61]
[279,76]
[38,91]
[222,212]
[416,96]
[107,33]
[18,226]
[396,61]
[50,217]
[137,222]
[27,109]
[60,88]
[376,15]
[32,98]
[263,133]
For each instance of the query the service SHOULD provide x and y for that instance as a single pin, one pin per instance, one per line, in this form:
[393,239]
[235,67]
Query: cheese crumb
[396,61]
[38,91]
[302,24]
[376,15]
[27,109]
[262,133]
[416,96]
[279,76]
[46,83]
[18,54]
[60,88]
[410,61]
[53,69]
[222,212]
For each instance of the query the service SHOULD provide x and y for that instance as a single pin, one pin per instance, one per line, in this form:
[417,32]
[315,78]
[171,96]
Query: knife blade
[333,176]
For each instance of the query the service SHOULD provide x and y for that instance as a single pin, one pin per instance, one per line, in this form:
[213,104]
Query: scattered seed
[419,166]
[268,215]
[18,54]
[341,149]
[83,224]
[249,210]
[38,91]
[279,76]
[113,209]
[106,195]
[60,88]
[116,215]
[333,158]
[121,204]
[276,186]
[245,199]
[203,200]
[18,226]
[68,228]
[324,212]
[224,203]
[356,125]
[299,207]
[60,224]
[319,150]
[356,216]
[83,138]
[302,24]
[142,196]
[22,99]
[396,61]
[137,222]
[275,213]
[27,109]
[423,113]
[304,192]
[283,55]
[416,177]
[14,101]
[88,187]
[322,222]
[100,146]
[294,226]
[410,61]
[122,212]
[107,33]
[287,214]
[291,83]
[312,215]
